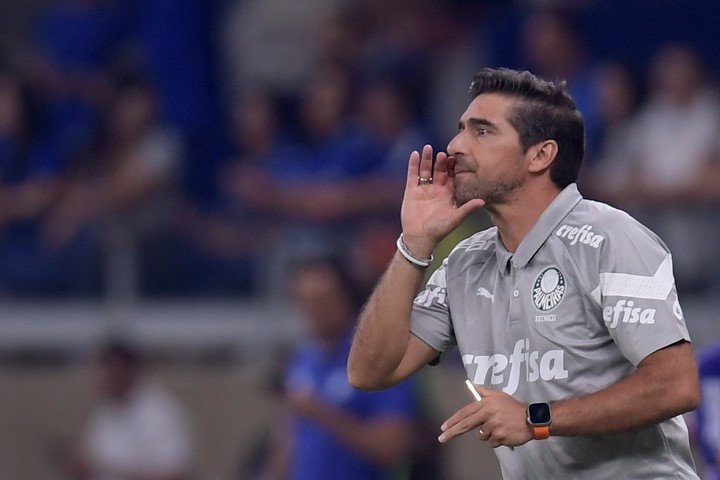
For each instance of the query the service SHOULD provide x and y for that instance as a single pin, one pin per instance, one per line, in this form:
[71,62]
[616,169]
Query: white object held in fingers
[478,398]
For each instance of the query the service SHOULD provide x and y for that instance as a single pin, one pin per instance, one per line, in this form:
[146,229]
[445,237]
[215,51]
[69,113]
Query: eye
[482,131]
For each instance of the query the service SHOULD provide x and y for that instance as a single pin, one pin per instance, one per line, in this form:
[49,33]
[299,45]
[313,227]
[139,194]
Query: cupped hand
[429,211]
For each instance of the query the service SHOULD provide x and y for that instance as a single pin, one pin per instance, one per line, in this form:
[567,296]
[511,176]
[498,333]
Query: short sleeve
[637,293]
[430,320]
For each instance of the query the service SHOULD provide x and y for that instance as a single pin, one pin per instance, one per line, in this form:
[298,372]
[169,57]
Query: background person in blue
[708,414]
[335,431]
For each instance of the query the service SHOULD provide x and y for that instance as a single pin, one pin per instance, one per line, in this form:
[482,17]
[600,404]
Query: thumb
[464,210]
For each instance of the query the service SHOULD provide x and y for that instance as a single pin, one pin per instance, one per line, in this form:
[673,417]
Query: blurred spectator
[256,132]
[175,48]
[138,432]
[331,148]
[31,179]
[216,249]
[458,50]
[75,43]
[708,415]
[123,187]
[554,49]
[343,37]
[406,31]
[389,113]
[274,42]
[303,184]
[668,168]
[617,102]
[369,82]
[672,178]
[333,430]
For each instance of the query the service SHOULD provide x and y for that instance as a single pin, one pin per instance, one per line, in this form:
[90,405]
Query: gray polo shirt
[588,294]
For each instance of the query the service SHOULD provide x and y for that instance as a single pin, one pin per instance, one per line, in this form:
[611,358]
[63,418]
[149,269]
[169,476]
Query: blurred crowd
[195,148]
[201,148]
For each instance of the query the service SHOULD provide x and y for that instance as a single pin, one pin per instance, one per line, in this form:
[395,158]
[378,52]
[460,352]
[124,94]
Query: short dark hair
[546,111]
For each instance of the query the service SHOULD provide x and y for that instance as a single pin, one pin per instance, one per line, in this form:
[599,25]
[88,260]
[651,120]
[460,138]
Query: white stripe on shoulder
[655,287]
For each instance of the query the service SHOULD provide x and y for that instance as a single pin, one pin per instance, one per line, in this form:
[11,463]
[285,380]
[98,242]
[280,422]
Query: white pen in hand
[474,392]
[478,398]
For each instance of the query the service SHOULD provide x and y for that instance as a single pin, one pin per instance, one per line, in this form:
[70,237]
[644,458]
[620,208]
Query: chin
[463,199]
[464,195]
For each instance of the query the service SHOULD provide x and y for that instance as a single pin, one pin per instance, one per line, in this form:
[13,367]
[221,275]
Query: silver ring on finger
[425,180]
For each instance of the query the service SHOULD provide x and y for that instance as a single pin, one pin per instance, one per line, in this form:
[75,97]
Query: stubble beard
[493,193]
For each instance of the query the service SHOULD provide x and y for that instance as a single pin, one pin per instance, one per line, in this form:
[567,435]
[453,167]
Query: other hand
[499,418]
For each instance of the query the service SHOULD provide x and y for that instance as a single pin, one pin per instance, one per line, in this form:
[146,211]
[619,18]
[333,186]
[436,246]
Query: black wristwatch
[539,418]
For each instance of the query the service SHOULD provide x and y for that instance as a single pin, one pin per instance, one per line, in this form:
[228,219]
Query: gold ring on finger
[424,180]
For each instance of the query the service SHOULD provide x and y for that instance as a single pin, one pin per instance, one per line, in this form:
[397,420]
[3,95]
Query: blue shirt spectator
[318,454]
[331,430]
[31,175]
[76,44]
[708,415]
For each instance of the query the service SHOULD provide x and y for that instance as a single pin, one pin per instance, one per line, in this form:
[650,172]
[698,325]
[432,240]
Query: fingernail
[442,438]
[443,427]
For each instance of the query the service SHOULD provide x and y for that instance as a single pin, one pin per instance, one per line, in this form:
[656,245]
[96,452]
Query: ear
[542,155]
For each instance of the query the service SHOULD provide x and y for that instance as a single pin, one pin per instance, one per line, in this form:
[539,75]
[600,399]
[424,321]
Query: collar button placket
[515,311]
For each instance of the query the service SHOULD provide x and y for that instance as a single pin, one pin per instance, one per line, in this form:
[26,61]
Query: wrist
[419,247]
[539,418]
[404,250]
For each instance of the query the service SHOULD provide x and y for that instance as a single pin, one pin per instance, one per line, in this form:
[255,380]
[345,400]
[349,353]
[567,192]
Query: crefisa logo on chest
[548,289]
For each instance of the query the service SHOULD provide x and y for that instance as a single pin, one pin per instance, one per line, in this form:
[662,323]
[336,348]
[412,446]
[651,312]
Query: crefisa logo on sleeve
[625,311]
[583,235]
[548,289]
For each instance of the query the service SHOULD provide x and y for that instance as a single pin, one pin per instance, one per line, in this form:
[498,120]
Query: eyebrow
[478,122]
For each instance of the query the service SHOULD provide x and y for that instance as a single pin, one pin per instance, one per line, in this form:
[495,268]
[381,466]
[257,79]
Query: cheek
[509,153]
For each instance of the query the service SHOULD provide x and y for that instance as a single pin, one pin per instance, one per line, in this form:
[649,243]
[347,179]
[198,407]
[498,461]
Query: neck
[518,214]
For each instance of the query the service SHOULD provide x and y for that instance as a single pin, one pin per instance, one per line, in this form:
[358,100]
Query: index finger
[464,420]
[413,172]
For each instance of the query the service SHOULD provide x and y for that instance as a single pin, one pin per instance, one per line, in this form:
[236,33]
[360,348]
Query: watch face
[539,413]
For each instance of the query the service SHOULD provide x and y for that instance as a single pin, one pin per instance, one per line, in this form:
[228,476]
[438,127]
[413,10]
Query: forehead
[494,107]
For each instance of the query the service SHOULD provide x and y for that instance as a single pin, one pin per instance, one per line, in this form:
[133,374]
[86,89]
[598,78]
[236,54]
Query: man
[335,431]
[565,314]
[139,431]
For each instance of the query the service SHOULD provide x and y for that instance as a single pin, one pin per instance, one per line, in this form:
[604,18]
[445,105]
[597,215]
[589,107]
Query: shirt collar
[502,255]
[543,228]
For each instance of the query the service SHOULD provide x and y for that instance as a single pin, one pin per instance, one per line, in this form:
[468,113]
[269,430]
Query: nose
[454,147]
